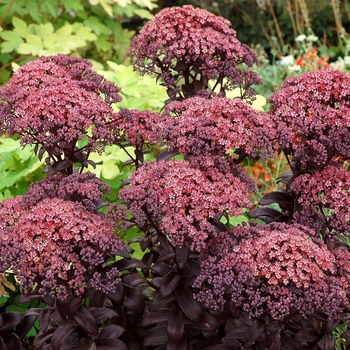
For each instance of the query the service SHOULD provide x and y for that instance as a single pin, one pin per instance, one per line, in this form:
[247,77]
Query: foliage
[208,272]
[94,29]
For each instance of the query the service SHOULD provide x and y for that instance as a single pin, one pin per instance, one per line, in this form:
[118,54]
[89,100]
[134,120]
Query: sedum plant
[279,280]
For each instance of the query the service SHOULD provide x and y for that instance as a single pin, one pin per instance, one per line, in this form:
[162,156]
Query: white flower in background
[286,61]
[312,38]
[300,38]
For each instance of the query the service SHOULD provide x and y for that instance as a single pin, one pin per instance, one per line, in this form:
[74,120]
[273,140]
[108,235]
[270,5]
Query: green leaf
[95,24]
[145,14]
[20,27]
[85,34]
[44,30]
[9,145]
[65,31]
[13,41]
[33,46]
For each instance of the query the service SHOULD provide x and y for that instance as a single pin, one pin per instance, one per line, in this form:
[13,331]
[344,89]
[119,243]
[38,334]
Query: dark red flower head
[315,107]
[194,44]
[58,245]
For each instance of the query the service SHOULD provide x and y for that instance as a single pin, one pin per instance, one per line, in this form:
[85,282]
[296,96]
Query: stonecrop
[323,197]
[84,188]
[199,126]
[53,101]
[181,198]
[197,46]
[316,110]
[276,270]
[57,246]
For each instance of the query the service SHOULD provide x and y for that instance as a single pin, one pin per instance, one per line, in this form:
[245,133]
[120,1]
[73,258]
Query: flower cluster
[195,45]
[137,127]
[324,201]
[58,245]
[84,188]
[54,100]
[213,126]
[181,198]
[315,107]
[276,269]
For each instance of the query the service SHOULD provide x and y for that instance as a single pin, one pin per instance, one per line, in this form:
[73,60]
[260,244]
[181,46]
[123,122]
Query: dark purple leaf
[273,326]
[25,326]
[86,343]
[41,151]
[112,331]
[128,162]
[179,344]
[155,336]
[118,295]
[139,155]
[92,163]
[60,334]
[169,282]
[166,154]
[35,311]
[45,317]
[125,183]
[101,313]
[96,298]
[49,300]
[85,321]
[126,264]
[2,344]
[175,326]
[133,280]
[155,317]
[11,319]
[231,345]
[207,323]
[24,298]
[41,338]
[159,302]
[63,307]
[266,214]
[238,332]
[331,325]
[59,166]
[182,255]
[254,332]
[307,335]
[282,198]
[110,344]
[189,306]
[192,268]
[14,343]
[162,268]
[134,300]
[328,343]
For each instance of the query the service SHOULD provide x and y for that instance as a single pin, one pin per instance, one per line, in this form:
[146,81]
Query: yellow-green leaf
[19,26]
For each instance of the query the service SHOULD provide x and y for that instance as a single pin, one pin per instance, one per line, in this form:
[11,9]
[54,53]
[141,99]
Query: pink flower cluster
[57,245]
[84,188]
[213,126]
[181,198]
[137,127]
[275,269]
[54,100]
[316,109]
[324,200]
[179,40]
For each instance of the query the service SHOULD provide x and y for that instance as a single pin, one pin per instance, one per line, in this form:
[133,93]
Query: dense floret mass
[182,198]
[59,245]
[192,39]
[54,100]
[324,201]
[84,188]
[316,109]
[199,126]
[276,270]
[137,127]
